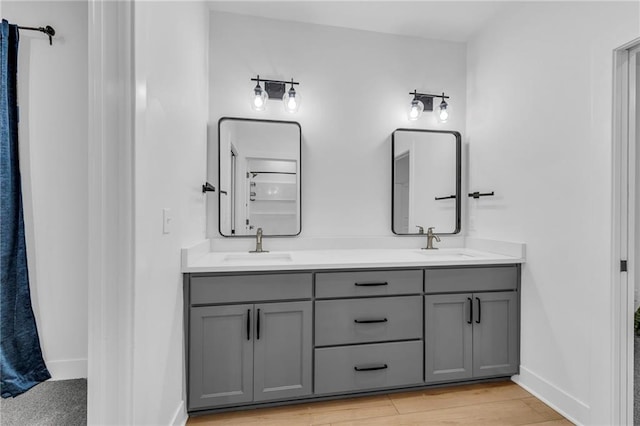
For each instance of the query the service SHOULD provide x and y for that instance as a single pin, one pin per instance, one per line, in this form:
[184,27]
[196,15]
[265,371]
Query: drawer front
[368,283]
[250,288]
[368,367]
[448,280]
[377,319]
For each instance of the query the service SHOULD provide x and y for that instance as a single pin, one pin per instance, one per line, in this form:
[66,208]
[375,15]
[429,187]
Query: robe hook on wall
[207,187]
[48,30]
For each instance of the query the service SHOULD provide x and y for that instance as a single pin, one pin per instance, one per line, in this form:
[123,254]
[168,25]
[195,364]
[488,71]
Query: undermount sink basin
[449,253]
[257,258]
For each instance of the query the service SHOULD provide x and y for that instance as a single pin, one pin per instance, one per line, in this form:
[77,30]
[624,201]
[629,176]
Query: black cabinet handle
[369,321]
[479,311]
[470,320]
[371,284]
[258,325]
[372,368]
[248,324]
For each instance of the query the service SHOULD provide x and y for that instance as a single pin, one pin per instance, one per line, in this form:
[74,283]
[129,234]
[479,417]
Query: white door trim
[110,158]
[622,239]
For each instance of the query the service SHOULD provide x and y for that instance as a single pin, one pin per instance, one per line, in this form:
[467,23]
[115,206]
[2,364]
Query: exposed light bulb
[442,112]
[415,109]
[291,100]
[259,98]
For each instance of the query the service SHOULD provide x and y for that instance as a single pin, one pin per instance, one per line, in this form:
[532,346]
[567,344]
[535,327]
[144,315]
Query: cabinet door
[448,337]
[495,334]
[221,356]
[282,350]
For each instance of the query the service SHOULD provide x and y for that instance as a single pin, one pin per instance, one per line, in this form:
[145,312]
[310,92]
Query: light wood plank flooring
[499,403]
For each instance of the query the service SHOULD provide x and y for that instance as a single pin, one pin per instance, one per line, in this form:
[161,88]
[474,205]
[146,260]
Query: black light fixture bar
[48,30]
[415,93]
[266,80]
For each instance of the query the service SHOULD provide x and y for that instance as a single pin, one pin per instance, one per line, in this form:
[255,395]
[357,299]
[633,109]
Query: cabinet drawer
[367,367]
[377,319]
[249,288]
[368,283]
[449,280]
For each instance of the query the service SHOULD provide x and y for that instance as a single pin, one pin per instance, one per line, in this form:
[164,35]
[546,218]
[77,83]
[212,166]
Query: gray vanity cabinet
[245,353]
[264,338]
[471,334]
[221,356]
[242,353]
[368,330]
[495,334]
[448,337]
[282,350]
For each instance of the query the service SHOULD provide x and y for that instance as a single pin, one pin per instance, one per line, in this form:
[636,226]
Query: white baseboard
[570,407]
[66,369]
[180,417]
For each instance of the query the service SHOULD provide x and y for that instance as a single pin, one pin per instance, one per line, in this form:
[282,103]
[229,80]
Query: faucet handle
[430,230]
[420,229]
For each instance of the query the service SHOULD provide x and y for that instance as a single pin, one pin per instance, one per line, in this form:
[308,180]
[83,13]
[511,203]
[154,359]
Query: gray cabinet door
[495,334]
[221,356]
[448,337]
[282,350]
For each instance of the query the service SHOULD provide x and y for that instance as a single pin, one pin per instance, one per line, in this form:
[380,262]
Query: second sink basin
[448,253]
[257,258]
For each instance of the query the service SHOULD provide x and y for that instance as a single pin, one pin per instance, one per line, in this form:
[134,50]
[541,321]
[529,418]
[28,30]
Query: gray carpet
[636,381]
[63,402]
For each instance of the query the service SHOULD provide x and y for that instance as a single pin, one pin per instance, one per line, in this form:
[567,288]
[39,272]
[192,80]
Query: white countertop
[198,259]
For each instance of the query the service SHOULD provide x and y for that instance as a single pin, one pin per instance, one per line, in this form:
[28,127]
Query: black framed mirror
[259,176]
[426,181]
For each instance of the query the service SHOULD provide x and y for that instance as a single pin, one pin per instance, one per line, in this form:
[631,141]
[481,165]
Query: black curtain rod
[48,30]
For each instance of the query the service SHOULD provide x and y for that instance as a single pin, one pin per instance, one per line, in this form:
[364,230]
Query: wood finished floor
[500,403]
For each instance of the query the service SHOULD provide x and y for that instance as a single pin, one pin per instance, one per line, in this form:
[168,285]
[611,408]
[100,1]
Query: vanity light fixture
[275,89]
[416,107]
[424,102]
[259,97]
[442,113]
[291,100]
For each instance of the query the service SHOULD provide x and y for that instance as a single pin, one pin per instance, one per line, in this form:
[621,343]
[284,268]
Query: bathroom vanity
[322,324]
[265,328]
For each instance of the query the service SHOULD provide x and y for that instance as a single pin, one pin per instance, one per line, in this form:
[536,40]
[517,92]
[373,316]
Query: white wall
[171,65]
[539,134]
[355,92]
[53,98]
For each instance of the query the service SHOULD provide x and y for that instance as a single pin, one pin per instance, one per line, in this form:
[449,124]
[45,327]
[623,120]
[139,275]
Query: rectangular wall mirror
[426,180]
[259,177]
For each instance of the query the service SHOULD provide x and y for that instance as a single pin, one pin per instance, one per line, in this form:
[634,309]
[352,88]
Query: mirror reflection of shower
[259,166]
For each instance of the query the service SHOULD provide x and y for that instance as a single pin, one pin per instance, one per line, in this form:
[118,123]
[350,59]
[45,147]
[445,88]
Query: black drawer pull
[470,320]
[372,368]
[479,311]
[369,321]
[373,284]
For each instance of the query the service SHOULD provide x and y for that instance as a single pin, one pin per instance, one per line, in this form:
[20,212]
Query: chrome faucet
[259,243]
[430,237]
[420,229]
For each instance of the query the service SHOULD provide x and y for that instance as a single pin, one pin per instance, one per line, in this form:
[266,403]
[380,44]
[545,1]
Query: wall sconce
[275,89]
[424,102]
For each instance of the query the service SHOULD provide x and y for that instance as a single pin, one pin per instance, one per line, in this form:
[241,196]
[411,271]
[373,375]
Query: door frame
[623,234]
[110,279]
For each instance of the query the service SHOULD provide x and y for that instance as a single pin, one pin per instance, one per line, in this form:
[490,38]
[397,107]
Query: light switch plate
[166,221]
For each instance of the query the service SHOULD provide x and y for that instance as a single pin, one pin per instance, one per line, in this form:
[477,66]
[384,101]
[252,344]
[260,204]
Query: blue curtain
[21,363]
